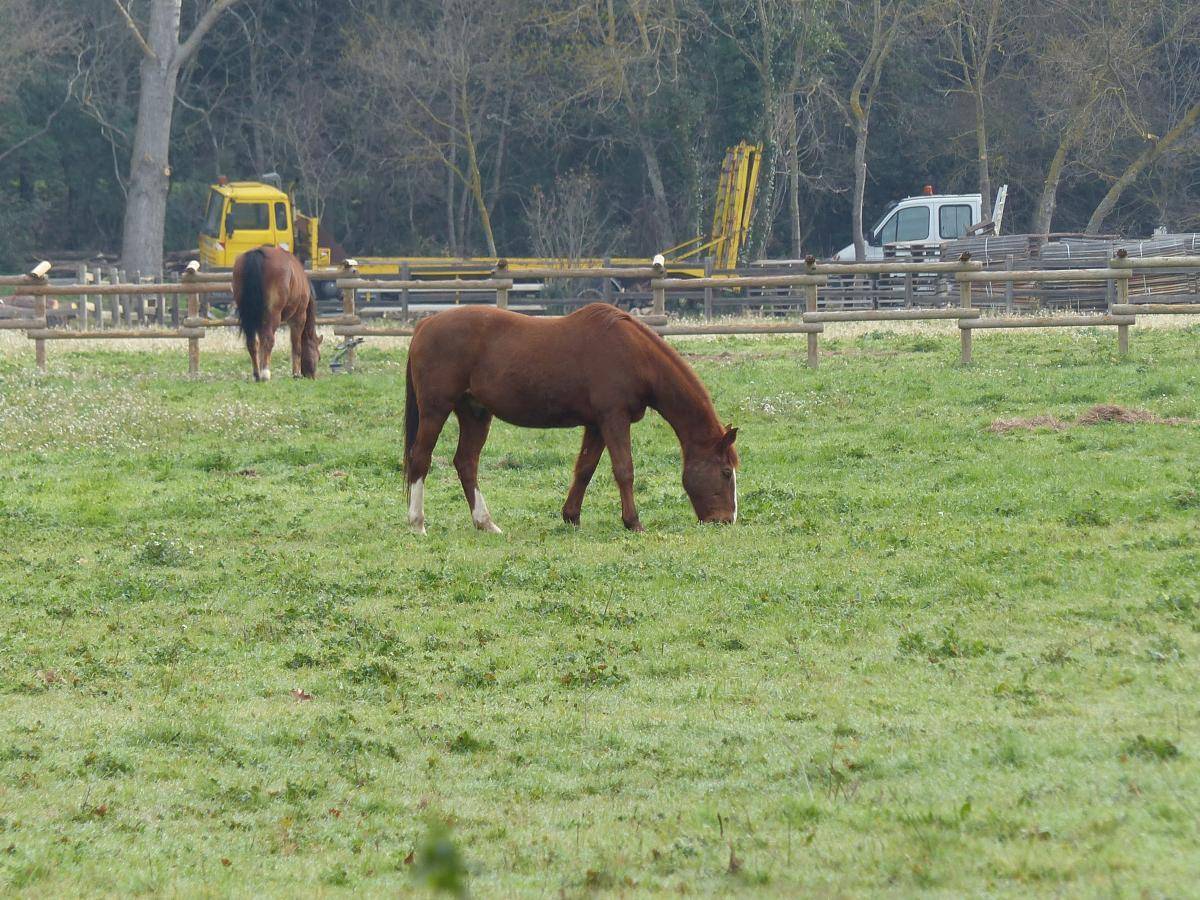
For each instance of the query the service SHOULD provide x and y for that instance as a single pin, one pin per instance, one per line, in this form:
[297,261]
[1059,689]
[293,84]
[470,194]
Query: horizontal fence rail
[179,310]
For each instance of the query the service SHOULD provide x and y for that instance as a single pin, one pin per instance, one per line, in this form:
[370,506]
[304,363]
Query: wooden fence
[810,278]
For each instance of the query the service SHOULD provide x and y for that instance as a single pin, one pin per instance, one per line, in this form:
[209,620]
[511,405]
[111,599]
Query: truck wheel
[326,290]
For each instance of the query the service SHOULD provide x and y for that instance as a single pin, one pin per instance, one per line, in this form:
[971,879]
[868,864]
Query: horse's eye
[727,473]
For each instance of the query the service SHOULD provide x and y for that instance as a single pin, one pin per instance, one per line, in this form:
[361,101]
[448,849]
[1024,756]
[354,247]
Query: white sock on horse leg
[480,515]
[266,374]
[416,505]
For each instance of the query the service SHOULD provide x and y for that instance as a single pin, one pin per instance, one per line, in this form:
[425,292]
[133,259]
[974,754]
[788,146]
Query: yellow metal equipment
[243,215]
[731,213]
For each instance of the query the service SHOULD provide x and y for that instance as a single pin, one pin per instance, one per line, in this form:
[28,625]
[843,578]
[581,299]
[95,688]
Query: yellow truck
[242,215]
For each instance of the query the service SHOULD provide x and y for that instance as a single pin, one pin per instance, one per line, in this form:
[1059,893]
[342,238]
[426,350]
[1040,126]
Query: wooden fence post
[405,275]
[501,271]
[810,305]
[708,291]
[1008,286]
[349,298]
[114,277]
[658,290]
[39,345]
[193,312]
[1122,330]
[964,297]
[81,302]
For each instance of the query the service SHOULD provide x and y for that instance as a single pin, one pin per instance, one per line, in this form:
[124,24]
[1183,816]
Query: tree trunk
[662,210]
[793,164]
[1049,202]
[981,140]
[451,230]
[1046,206]
[150,167]
[860,188]
[1136,167]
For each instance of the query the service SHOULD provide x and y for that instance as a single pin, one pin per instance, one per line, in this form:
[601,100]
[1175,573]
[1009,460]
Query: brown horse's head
[710,479]
[310,354]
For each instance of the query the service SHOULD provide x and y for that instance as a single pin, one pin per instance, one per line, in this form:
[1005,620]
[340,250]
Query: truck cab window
[250,217]
[910,224]
[212,218]
[281,222]
[953,221]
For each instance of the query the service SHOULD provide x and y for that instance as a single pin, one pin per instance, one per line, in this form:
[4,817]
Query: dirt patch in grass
[1004,426]
[1100,414]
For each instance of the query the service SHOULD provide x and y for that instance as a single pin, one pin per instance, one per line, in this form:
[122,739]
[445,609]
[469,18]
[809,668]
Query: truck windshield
[250,217]
[212,217]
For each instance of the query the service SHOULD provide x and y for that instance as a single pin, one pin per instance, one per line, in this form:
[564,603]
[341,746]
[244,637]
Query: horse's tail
[412,420]
[252,299]
[309,341]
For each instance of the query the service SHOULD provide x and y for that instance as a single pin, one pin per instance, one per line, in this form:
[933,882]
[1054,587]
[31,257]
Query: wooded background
[594,126]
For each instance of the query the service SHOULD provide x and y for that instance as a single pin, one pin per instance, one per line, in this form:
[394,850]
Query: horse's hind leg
[420,456]
[473,425]
[266,346]
[252,348]
[585,467]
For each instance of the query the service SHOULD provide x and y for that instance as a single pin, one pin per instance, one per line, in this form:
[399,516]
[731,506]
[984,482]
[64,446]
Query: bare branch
[137,32]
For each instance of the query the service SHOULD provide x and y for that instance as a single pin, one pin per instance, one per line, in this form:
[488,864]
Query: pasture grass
[929,657]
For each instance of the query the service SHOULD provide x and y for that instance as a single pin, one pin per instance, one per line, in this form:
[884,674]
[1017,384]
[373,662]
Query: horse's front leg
[585,467]
[296,332]
[620,452]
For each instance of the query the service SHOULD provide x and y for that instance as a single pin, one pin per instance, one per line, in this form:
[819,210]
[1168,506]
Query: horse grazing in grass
[270,286]
[598,368]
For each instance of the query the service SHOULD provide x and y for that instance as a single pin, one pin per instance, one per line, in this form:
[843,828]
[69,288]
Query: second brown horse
[598,368]
[270,286]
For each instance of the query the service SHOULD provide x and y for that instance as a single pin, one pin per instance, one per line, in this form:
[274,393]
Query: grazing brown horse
[270,286]
[598,368]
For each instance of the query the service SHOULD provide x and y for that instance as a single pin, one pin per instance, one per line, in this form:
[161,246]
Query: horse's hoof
[635,525]
[266,375]
[570,519]
[490,527]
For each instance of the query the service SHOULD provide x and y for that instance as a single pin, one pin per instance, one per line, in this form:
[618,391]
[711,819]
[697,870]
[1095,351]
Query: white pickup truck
[927,220]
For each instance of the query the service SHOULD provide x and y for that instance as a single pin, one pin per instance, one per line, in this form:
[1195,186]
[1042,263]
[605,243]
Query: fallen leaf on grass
[225,861]
[408,860]
[300,695]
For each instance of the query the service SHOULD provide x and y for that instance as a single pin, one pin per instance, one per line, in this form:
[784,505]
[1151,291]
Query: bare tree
[976,33]
[782,41]
[626,62]
[163,55]
[1168,92]
[447,90]
[869,35]
[33,36]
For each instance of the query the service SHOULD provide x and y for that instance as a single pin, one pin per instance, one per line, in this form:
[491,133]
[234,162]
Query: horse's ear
[727,438]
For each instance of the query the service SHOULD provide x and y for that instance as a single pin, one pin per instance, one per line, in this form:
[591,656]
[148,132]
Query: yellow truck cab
[242,215]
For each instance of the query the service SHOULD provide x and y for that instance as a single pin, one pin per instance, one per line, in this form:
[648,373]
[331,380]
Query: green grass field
[929,657]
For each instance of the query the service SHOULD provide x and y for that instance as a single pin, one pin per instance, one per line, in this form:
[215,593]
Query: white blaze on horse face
[735,495]
[480,515]
[416,505]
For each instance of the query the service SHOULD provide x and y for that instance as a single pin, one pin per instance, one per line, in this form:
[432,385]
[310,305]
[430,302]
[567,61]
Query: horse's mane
[603,315]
